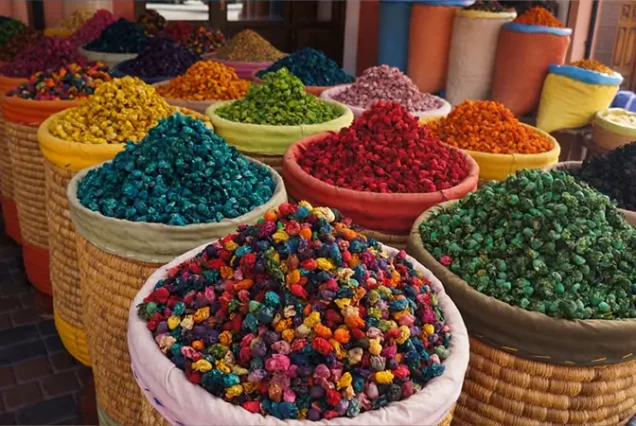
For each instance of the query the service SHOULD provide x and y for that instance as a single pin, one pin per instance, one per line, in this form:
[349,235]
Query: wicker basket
[608,135]
[150,416]
[9,207]
[524,371]
[503,389]
[28,180]
[109,283]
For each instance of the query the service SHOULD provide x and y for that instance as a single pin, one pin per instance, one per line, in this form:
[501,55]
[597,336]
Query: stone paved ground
[40,383]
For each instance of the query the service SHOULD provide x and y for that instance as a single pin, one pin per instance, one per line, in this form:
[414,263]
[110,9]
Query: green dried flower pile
[542,241]
[280,101]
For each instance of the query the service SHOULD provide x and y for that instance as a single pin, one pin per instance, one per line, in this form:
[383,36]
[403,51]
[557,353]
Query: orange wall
[367,55]
[17,9]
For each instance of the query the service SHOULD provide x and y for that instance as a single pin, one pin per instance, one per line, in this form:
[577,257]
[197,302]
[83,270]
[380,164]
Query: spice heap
[385,151]
[19,43]
[489,6]
[162,57]
[488,126]
[309,320]
[538,16]
[119,111]
[205,40]
[613,174]
[312,67]
[92,28]
[280,101]
[68,82]
[75,20]
[151,21]
[179,174]
[542,241]
[248,46]
[9,28]
[206,80]
[49,52]
[384,83]
[119,37]
[592,65]
[179,30]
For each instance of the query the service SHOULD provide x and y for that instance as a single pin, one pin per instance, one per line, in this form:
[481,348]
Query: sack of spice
[385,158]
[384,83]
[179,187]
[120,41]
[430,33]
[120,110]
[496,139]
[526,48]
[247,52]
[313,68]
[152,22]
[92,28]
[10,28]
[70,24]
[473,48]
[613,127]
[523,260]
[321,340]
[162,59]
[572,94]
[47,53]
[204,83]
[24,108]
[17,44]
[274,115]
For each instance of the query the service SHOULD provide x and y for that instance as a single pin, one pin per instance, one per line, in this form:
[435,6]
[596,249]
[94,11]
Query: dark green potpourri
[281,101]
[542,241]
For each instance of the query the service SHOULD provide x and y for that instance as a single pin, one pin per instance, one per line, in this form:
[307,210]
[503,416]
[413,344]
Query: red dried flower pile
[385,151]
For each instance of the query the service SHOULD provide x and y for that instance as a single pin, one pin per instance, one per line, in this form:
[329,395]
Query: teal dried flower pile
[542,241]
[312,67]
[281,101]
[179,174]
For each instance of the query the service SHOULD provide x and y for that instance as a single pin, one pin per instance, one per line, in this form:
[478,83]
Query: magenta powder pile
[92,28]
[384,83]
[49,52]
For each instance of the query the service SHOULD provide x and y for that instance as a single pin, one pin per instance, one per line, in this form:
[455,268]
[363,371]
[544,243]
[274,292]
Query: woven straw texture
[273,161]
[502,389]
[104,420]
[109,283]
[28,180]
[608,140]
[6,175]
[63,263]
[150,416]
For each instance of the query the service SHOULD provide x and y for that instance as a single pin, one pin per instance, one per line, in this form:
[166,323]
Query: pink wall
[16,9]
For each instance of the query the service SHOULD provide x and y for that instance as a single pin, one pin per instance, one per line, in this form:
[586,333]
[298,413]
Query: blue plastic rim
[393,40]
[537,29]
[586,76]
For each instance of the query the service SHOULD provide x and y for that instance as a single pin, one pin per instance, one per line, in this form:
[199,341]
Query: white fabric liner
[442,111]
[184,403]
[567,165]
[157,242]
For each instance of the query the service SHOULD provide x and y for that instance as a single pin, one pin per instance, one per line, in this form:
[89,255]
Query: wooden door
[625,45]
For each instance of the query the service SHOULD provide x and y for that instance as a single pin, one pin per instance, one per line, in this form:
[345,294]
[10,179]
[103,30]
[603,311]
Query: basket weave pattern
[502,389]
[150,416]
[109,283]
[273,161]
[607,140]
[28,179]
[6,175]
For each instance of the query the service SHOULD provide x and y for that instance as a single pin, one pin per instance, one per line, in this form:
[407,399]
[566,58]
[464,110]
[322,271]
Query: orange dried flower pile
[539,16]
[206,80]
[593,65]
[488,126]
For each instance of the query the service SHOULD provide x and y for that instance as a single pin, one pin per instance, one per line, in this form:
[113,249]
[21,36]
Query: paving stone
[20,352]
[47,412]
[54,344]
[60,384]
[33,369]
[7,377]
[63,361]
[11,303]
[19,396]
[26,316]
[18,335]
[47,328]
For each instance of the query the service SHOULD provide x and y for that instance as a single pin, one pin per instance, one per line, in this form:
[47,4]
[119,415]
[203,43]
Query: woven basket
[273,161]
[28,179]
[9,208]
[502,389]
[109,284]
[150,416]
[64,268]
[608,135]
